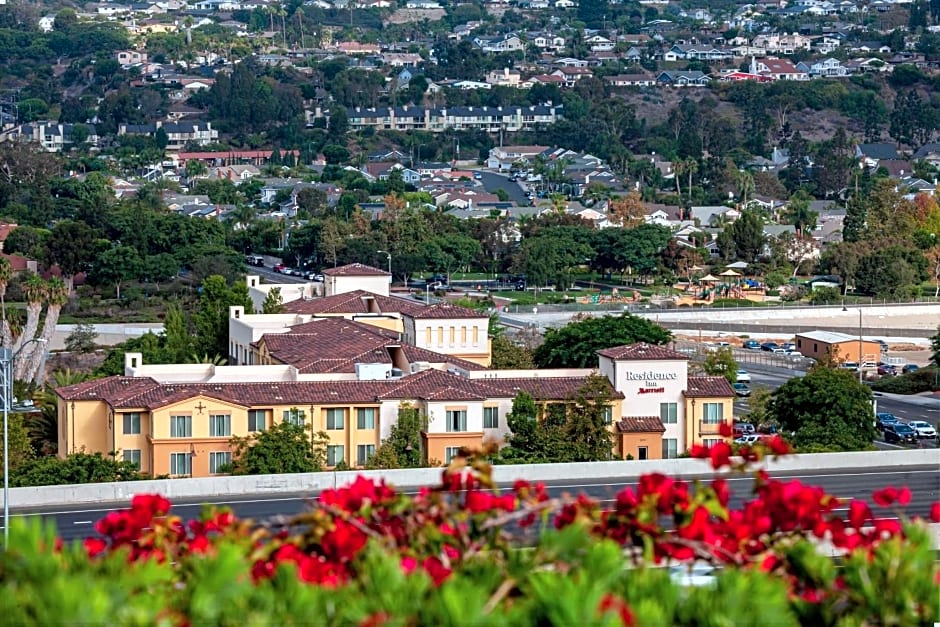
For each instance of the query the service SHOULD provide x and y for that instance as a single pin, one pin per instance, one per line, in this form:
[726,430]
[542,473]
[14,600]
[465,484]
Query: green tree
[721,363]
[273,302]
[586,435]
[825,410]
[935,345]
[151,346]
[82,339]
[575,345]
[283,448]
[21,451]
[72,246]
[526,442]
[402,447]
[178,340]
[116,266]
[506,355]
[744,239]
[212,313]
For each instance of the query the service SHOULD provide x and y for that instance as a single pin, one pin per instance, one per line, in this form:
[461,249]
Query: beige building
[350,380]
[841,347]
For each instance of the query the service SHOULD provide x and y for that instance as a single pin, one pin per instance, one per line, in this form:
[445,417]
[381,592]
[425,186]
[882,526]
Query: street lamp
[427,292]
[860,358]
[7,357]
[388,255]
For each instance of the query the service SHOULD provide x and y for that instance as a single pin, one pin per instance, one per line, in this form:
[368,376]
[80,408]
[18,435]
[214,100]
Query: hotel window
[463,336]
[710,442]
[132,424]
[365,418]
[452,334]
[335,419]
[335,454]
[181,426]
[427,336]
[669,413]
[713,413]
[294,416]
[450,453]
[440,336]
[491,417]
[364,453]
[132,455]
[257,419]
[218,459]
[670,448]
[220,426]
[476,335]
[608,415]
[456,420]
[181,464]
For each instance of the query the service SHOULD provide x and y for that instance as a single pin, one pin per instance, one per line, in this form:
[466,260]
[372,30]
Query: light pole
[427,292]
[860,356]
[7,357]
[388,255]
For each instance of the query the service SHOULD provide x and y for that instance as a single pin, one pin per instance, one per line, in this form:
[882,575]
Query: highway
[78,521]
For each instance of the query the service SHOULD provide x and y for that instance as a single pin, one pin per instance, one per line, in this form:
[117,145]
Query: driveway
[492,181]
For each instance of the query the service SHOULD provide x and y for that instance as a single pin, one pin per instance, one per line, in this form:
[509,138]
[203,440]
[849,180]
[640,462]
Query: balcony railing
[709,428]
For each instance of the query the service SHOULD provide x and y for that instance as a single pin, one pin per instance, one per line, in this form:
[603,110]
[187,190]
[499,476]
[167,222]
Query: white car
[923,428]
[751,438]
[743,376]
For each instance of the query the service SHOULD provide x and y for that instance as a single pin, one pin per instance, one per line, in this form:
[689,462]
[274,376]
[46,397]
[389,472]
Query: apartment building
[179,134]
[178,419]
[487,119]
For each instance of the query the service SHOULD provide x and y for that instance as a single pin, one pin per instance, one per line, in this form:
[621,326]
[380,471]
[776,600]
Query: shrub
[366,554]
[923,380]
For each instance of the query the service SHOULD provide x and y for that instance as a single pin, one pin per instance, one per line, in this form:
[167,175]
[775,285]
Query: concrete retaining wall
[269,485]
[768,314]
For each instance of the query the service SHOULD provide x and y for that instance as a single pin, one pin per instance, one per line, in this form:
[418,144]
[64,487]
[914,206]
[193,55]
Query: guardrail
[99,493]
[698,351]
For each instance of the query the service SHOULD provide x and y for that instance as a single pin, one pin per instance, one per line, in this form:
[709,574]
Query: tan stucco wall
[696,432]
[630,443]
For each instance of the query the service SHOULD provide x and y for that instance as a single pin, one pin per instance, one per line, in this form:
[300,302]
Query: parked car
[790,346]
[923,429]
[900,433]
[751,345]
[743,428]
[884,419]
[279,267]
[849,365]
[769,346]
[908,368]
[743,376]
[751,438]
[741,389]
[887,370]
[255,260]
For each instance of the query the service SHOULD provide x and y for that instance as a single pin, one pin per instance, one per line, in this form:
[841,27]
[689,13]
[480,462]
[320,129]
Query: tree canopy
[575,345]
[825,410]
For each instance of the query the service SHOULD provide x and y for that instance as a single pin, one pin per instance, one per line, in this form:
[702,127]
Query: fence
[762,359]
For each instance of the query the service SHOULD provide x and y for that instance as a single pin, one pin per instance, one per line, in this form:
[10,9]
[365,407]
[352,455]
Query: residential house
[502,43]
[631,80]
[778,69]
[179,134]
[504,78]
[128,58]
[51,136]
[929,153]
[783,44]
[870,155]
[826,68]
[571,75]
[694,78]
[487,119]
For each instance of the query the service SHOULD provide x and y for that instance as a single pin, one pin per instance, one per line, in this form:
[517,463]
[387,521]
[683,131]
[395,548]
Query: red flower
[778,446]
[375,620]
[859,513]
[725,430]
[343,542]
[698,451]
[612,603]
[890,495]
[720,454]
[935,512]
[199,545]
[435,568]
[153,504]
[408,564]
[722,491]
[95,546]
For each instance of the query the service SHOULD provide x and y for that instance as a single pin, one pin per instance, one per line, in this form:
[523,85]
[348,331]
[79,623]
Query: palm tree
[6,273]
[745,186]
[34,288]
[56,296]
[300,20]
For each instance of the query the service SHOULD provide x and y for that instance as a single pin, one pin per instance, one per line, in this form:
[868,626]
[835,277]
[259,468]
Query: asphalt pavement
[78,521]
[492,181]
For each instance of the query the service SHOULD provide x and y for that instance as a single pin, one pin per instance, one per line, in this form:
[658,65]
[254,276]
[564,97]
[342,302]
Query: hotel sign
[652,381]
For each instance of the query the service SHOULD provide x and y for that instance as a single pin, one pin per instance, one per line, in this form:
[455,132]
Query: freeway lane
[924,482]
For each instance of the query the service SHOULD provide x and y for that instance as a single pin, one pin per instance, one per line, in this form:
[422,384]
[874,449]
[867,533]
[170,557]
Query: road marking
[81,522]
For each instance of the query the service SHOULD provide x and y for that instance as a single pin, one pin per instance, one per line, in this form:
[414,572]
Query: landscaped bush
[923,380]
[461,554]
[736,302]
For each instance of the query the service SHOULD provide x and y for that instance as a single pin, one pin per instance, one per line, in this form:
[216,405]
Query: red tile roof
[329,345]
[635,352]
[446,310]
[433,385]
[640,424]
[354,269]
[709,386]
[355,302]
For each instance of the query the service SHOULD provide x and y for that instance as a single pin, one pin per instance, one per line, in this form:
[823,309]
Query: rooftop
[708,386]
[829,337]
[634,352]
[640,424]
[355,269]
